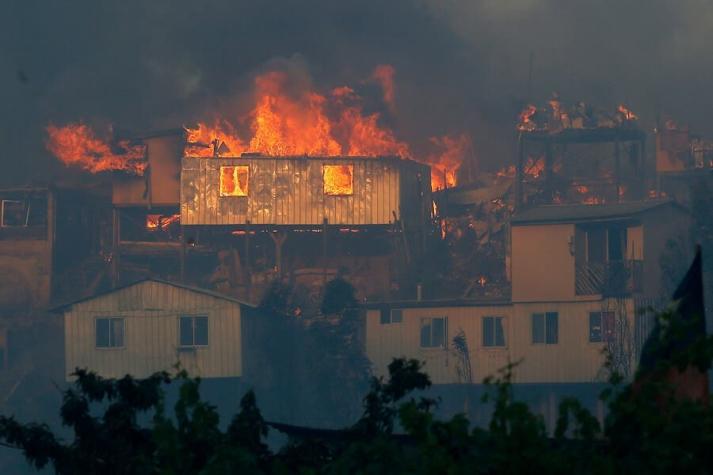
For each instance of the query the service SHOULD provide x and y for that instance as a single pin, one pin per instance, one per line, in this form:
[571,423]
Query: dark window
[193,331]
[617,244]
[23,213]
[493,333]
[545,328]
[110,332]
[433,332]
[601,326]
[596,245]
[394,315]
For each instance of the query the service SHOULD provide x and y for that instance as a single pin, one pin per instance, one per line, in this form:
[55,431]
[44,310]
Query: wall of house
[26,260]
[542,263]
[572,360]
[151,341]
[161,183]
[290,191]
[661,225]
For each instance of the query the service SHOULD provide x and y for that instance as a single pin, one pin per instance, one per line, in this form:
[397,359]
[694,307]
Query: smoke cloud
[460,65]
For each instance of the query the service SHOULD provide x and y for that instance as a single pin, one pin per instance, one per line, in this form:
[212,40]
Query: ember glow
[154,222]
[77,145]
[338,180]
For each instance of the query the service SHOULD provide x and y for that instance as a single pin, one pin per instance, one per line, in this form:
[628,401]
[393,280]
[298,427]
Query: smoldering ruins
[170,196]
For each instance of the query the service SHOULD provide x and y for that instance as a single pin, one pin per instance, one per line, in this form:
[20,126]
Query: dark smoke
[460,65]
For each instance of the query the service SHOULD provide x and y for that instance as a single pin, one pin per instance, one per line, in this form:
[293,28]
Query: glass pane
[385,317]
[488,331]
[499,332]
[608,326]
[234,180]
[186,331]
[595,327]
[425,332]
[438,328]
[552,327]
[103,333]
[117,332]
[14,213]
[396,315]
[201,330]
[538,327]
[596,245]
[617,242]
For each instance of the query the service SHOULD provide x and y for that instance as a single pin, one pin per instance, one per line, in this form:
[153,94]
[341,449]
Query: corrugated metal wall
[572,359]
[151,311]
[290,191]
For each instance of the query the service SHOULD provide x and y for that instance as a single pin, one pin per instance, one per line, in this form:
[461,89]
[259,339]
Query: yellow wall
[542,264]
[572,359]
[151,311]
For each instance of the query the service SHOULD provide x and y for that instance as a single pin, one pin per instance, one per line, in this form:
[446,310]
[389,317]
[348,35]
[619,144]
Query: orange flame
[626,113]
[447,159]
[309,123]
[161,221]
[526,123]
[339,180]
[76,144]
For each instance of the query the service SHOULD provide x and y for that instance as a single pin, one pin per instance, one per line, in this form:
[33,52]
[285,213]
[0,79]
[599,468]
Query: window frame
[335,165]
[386,316]
[606,334]
[26,206]
[493,345]
[546,340]
[111,346]
[431,346]
[247,181]
[193,318]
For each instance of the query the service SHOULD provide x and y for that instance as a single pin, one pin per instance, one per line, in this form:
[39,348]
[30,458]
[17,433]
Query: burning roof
[284,119]
[555,117]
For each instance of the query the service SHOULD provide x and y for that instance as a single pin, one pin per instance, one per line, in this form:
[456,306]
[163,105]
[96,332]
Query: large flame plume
[282,122]
[76,144]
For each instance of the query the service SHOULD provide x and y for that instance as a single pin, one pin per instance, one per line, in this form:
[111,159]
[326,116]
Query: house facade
[582,276]
[154,325]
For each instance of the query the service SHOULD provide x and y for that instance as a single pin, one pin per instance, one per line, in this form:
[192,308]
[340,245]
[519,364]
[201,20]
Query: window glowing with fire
[234,180]
[338,180]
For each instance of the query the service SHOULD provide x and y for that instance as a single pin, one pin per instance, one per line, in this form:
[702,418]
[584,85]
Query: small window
[493,333]
[234,180]
[23,213]
[110,332]
[193,331]
[338,180]
[601,327]
[393,315]
[545,328]
[433,332]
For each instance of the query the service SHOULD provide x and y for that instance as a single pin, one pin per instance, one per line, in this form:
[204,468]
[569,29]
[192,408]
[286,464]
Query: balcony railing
[610,279]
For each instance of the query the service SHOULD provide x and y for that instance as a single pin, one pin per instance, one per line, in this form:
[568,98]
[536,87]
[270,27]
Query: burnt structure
[236,224]
[566,167]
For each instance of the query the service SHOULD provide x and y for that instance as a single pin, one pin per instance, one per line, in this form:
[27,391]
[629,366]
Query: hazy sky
[461,65]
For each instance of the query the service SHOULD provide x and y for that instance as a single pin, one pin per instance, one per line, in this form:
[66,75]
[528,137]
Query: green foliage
[647,430]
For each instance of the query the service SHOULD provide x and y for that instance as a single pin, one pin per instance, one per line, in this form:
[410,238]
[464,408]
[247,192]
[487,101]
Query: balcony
[610,279]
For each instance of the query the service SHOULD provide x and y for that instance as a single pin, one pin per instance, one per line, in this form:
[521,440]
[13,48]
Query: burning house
[579,154]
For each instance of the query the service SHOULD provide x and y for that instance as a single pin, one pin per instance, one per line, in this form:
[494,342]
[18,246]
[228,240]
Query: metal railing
[610,279]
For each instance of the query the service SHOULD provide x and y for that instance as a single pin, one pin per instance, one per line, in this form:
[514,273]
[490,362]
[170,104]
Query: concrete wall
[151,312]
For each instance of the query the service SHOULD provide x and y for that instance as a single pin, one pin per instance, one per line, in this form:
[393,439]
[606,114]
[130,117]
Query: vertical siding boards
[151,311]
[572,360]
[289,191]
